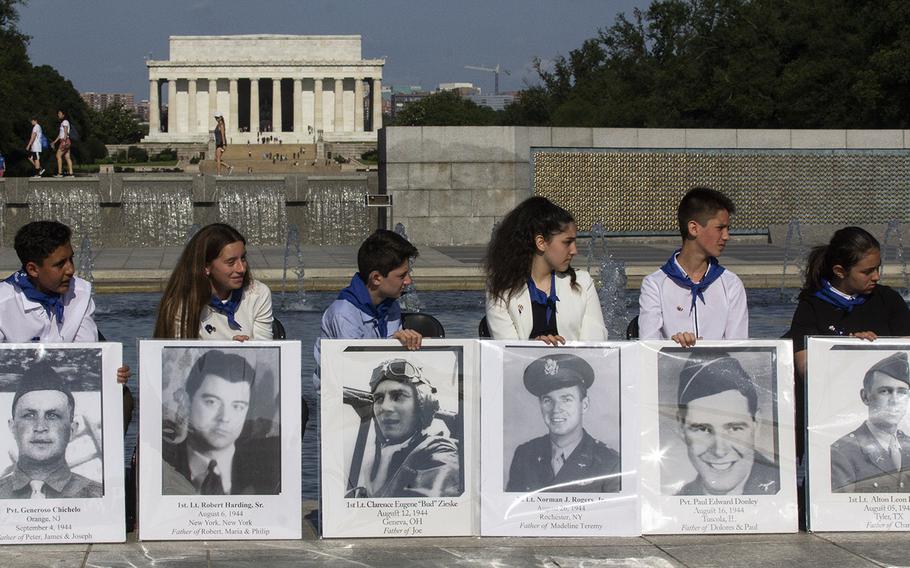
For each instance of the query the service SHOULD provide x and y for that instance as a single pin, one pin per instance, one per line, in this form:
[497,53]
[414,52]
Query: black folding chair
[424,324]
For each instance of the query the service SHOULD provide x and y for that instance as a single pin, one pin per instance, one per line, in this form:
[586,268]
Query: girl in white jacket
[532,290]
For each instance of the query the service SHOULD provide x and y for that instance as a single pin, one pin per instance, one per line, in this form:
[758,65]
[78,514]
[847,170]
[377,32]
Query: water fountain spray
[408,301]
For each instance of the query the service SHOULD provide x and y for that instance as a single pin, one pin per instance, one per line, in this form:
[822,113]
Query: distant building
[302,88]
[463,89]
[100,101]
[401,100]
[495,102]
[142,111]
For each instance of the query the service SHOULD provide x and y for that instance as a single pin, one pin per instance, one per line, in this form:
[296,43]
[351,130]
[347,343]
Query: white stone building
[296,88]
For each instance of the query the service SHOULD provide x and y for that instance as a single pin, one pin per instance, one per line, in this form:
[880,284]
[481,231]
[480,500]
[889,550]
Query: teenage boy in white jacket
[692,296]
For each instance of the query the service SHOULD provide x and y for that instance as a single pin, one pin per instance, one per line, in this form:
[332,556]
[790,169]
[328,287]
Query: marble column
[377,104]
[317,107]
[254,105]
[339,105]
[213,103]
[154,107]
[358,104]
[234,108]
[298,105]
[276,105]
[193,125]
[172,106]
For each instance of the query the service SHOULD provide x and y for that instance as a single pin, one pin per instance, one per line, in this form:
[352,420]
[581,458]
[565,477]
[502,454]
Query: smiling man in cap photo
[875,458]
[567,459]
[717,403]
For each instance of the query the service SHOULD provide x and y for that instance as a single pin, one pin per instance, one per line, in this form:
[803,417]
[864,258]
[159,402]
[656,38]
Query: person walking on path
[63,144]
[220,145]
[34,147]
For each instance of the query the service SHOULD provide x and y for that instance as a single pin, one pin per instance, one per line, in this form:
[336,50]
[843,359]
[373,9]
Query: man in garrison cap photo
[410,458]
[875,458]
[716,406]
[567,459]
[216,457]
[43,424]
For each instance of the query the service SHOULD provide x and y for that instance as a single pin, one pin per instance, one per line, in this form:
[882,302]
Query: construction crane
[494,70]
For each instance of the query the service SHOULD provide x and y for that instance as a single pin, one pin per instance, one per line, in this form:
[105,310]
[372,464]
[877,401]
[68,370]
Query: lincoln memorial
[299,89]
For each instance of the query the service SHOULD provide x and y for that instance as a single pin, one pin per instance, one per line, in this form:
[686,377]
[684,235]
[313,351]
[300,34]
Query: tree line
[28,90]
[720,64]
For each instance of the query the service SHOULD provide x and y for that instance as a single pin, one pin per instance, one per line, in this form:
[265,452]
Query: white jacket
[666,309]
[23,321]
[254,314]
[578,312]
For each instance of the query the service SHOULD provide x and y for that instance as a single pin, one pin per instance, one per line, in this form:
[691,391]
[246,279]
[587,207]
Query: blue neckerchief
[357,294]
[228,308]
[828,294]
[539,297]
[674,273]
[51,302]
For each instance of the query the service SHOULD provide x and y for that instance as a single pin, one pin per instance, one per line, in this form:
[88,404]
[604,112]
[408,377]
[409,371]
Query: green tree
[445,108]
[27,91]
[116,125]
[737,64]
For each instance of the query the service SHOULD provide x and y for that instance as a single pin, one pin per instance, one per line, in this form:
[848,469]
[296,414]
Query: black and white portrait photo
[408,427]
[221,421]
[875,456]
[560,439]
[51,399]
[857,424]
[219,430]
[398,438]
[718,421]
[554,400]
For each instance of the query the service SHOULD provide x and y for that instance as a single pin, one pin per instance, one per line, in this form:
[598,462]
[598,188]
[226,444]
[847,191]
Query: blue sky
[100,45]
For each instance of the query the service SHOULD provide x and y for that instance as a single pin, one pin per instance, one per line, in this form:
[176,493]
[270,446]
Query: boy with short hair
[692,296]
[368,308]
[44,300]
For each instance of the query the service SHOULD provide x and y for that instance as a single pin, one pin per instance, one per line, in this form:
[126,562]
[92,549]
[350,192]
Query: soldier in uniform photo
[875,458]
[216,458]
[717,404]
[567,459]
[411,458]
[43,424]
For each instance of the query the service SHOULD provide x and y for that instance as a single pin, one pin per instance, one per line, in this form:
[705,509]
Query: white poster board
[857,404]
[398,438]
[61,471]
[560,439]
[718,451]
[219,439]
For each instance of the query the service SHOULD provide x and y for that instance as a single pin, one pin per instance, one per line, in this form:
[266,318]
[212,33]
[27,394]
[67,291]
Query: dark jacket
[592,468]
[859,464]
[256,468]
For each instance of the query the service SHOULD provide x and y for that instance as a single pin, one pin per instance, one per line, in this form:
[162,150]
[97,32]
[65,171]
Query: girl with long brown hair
[211,293]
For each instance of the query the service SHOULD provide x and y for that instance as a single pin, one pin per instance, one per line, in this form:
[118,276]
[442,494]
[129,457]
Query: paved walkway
[759,264]
[786,551]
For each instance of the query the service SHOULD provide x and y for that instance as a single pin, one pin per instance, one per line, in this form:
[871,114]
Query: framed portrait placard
[559,429]
[61,471]
[717,442]
[398,438]
[219,439]
[858,441]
